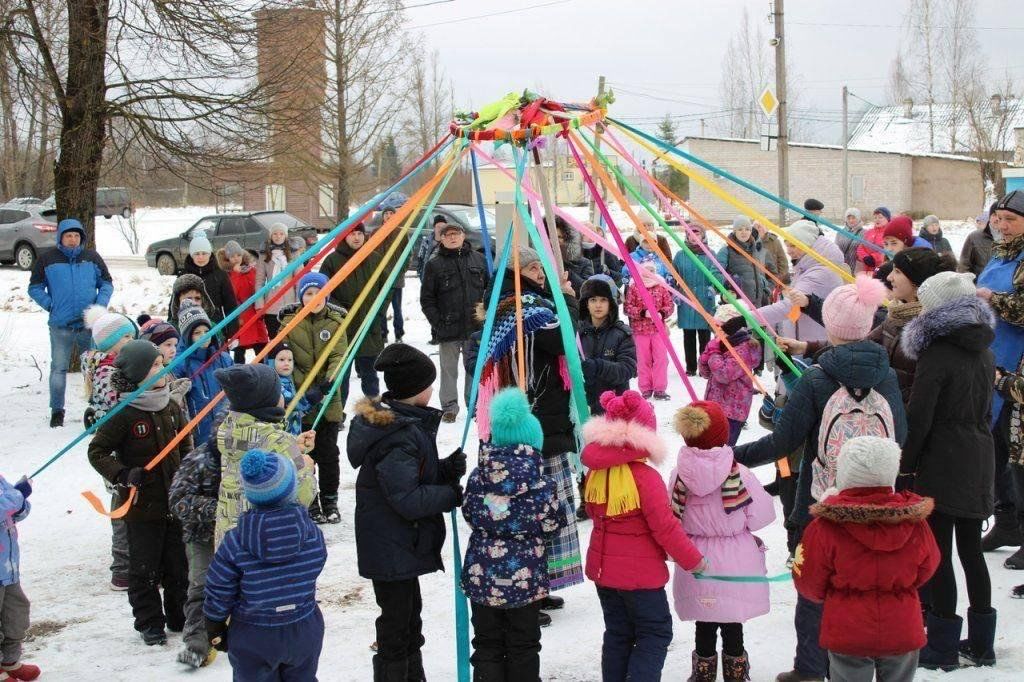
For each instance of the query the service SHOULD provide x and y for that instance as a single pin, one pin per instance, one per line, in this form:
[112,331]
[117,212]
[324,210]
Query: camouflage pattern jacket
[1011,387]
[1010,306]
[193,493]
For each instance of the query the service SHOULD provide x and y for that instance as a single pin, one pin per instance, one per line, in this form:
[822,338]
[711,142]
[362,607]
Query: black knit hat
[407,370]
[920,263]
[1012,202]
[135,359]
[250,387]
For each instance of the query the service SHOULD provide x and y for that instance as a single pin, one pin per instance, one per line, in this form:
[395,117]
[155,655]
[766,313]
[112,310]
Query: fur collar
[849,511]
[293,308]
[619,433]
[945,320]
[375,412]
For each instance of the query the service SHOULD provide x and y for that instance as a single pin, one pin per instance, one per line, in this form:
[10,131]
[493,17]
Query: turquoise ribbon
[779,578]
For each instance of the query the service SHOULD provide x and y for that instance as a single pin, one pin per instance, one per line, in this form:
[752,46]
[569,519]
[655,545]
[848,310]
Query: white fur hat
[868,462]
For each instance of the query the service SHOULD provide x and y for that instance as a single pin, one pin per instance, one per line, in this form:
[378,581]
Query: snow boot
[942,650]
[551,603]
[416,673]
[330,509]
[703,669]
[1017,592]
[316,513]
[56,419]
[735,668]
[193,658]
[154,636]
[543,619]
[21,671]
[390,671]
[1016,561]
[981,634]
[1005,532]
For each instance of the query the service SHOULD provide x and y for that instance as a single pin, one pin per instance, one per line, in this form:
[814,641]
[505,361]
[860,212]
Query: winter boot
[981,633]
[154,636]
[196,659]
[797,676]
[56,419]
[330,509]
[390,671]
[551,603]
[703,669]
[942,650]
[416,673]
[735,668]
[1017,592]
[21,671]
[543,619]
[1016,561]
[1005,532]
[316,513]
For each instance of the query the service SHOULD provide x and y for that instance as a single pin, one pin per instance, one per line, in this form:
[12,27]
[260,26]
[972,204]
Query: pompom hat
[944,287]
[512,422]
[702,424]
[107,328]
[200,244]
[901,227]
[268,478]
[849,311]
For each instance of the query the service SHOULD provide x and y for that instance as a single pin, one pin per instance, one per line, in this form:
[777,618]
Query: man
[814,207]
[65,281]
[454,280]
[977,250]
[428,244]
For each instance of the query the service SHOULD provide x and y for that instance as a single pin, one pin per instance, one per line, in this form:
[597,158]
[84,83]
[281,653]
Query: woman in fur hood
[240,266]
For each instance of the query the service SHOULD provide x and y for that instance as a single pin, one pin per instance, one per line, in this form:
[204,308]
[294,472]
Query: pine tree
[677,182]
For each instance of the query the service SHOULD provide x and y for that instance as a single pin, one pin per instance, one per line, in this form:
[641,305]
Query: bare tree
[429,100]
[899,88]
[990,119]
[922,23]
[960,50]
[747,67]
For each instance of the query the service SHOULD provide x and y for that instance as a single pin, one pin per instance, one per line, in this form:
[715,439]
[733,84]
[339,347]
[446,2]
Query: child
[652,356]
[120,450]
[511,508]
[110,332]
[720,504]
[193,323]
[728,384]
[239,264]
[633,531]
[188,288]
[161,334]
[283,361]
[14,605]
[263,578]
[864,557]
[608,347]
[308,341]
[402,490]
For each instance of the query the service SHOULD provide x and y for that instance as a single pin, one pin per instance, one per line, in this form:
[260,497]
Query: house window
[275,197]
[568,176]
[856,188]
[325,201]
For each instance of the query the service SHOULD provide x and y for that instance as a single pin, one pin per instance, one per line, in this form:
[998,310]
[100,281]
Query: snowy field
[82,630]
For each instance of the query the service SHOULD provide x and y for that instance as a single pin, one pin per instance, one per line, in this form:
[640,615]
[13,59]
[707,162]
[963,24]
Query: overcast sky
[665,56]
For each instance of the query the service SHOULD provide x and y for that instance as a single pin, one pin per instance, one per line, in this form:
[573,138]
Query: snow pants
[506,643]
[651,362]
[200,554]
[843,668]
[14,621]
[156,558]
[286,653]
[637,632]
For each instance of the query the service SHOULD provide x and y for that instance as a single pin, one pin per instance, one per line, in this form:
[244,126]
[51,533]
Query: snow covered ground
[82,630]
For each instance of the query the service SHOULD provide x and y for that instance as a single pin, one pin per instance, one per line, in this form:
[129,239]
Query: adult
[869,259]
[775,258]
[395,297]
[814,207]
[579,267]
[696,331]
[848,245]
[218,285]
[949,454]
[454,281]
[748,276]
[65,281]
[977,249]
[428,243]
[897,236]
[604,261]
[277,252]
[931,232]
[240,266]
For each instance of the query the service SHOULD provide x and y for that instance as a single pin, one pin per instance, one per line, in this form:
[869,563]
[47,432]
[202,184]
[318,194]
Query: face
[71,239]
[598,307]
[933,228]
[201,258]
[197,334]
[742,234]
[386,215]
[284,363]
[535,273]
[793,252]
[879,220]
[169,349]
[355,239]
[851,221]
[191,295]
[278,237]
[902,288]
[308,295]
[694,238]
[980,224]
[155,369]
[815,212]
[453,239]
[235,260]
[1010,224]
[893,244]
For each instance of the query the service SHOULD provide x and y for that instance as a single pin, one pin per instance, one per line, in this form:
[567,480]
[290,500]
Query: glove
[133,477]
[733,325]
[456,465]
[24,486]
[589,368]
[314,395]
[460,493]
[217,634]
[870,261]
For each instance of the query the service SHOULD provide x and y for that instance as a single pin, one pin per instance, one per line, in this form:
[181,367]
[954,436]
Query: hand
[307,440]
[456,465]
[460,493]
[733,325]
[870,261]
[589,366]
[984,294]
[217,634]
[791,346]
[89,418]
[566,286]
[701,568]
[24,486]
[797,298]
[133,478]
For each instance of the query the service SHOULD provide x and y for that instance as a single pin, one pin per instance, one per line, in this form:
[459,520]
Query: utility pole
[597,146]
[780,91]
[702,127]
[846,148]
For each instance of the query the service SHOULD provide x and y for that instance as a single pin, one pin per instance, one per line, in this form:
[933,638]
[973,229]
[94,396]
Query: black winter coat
[402,489]
[219,289]
[453,285]
[610,355]
[605,263]
[580,270]
[348,290]
[949,450]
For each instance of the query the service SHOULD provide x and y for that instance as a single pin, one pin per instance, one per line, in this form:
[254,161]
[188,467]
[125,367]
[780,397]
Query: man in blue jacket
[65,281]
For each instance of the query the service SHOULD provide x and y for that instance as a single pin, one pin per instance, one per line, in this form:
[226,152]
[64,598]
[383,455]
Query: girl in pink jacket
[729,385]
[719,503]
[634,530]
[651,353]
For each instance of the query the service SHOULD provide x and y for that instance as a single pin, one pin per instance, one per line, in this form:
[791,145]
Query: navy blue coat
[610,354]
[65,282]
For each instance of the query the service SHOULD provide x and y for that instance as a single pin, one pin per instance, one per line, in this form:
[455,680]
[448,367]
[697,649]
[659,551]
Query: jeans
[368,379]
[811,660]
[63,342]
[637,632]
[451,352]
[14,621]
[396,314]
[399,626]
[194,635]
[506,643]
[118,544]
[843,668]
[156,557]
[694,342]
[940,592]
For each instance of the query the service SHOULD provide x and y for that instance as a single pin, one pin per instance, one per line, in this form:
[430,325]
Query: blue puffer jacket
[699,284]
[511,507]
[65,281]
[302,408]
[204,386]
[13,508]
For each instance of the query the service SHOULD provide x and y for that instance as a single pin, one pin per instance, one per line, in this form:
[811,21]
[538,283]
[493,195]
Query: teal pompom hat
[268,478]
[512,422]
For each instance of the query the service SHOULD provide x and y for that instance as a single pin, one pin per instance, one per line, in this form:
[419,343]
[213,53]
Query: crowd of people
[895,428]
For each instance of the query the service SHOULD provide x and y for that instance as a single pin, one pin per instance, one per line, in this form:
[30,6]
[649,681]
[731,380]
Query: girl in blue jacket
[193,323]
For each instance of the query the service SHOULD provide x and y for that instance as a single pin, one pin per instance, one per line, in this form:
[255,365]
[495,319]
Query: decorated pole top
[520,119]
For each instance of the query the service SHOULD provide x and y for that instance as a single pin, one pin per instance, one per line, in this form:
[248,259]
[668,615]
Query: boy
[607,342]
[14,605]
[201,366]
[188,288]
[263,578]
[282,359]
[120,450]
[402,490]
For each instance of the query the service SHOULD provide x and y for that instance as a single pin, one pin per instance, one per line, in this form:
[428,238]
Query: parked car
[25,232]
[466,215]
[22,201]
[251,230]
[110,201]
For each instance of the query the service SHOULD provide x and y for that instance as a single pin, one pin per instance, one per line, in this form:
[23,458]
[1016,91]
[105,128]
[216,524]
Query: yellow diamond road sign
[768,101]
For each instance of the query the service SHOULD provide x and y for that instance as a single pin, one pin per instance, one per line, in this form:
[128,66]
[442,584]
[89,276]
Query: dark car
[110,202]
[251,230]
[466,215]
[26,231]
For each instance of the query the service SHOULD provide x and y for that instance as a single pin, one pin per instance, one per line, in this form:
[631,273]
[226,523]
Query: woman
[240,266]
[869,259]
[277,253]
[949,452]
[696,331]
[747,275]
[931,232]
[218,285]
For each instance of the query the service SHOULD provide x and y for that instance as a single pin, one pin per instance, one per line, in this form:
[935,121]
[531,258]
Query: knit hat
[855,212]
[191,316]
[250,387]
[527,256]
[630,407]
[512,422]
[311,279]
[849,311]
[438,219]
[944,287]
[726,312]
[901,227]
[1012,202]
[407,370]
[882,210]
[359,227]
[272,355]
[277,227]
[702,424]
[920,263]
[136,359]
[741,222]
[453,226]
[188,282]
[233,248]
[813,205]
[930,220]
[107,328]
[803,231]
[157,331]
[868,462]
[200,244]
[268,478]
[599,285]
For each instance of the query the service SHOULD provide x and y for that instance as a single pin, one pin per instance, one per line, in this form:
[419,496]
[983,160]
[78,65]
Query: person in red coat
[634,532]
[240,266]
[864,556]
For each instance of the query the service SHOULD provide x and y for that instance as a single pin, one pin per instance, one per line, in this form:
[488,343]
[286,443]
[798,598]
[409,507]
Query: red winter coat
[875,235]
[243,283]
[865,556]
[628,551]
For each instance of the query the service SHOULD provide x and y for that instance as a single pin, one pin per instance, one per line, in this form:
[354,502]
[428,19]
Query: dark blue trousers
[637,632]
[288,653]
[811,660]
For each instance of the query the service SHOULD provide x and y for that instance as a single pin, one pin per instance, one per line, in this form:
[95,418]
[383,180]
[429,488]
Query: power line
[492,14]
[900,26]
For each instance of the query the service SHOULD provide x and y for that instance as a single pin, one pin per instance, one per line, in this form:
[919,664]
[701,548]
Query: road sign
[768,101]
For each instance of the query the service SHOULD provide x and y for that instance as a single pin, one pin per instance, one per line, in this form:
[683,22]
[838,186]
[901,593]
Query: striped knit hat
[108,328]
[268,478]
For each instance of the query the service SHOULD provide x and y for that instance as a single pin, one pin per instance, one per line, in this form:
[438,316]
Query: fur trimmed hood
[966,321]
[876,517]
[293,308]
[628,438]
[376,419]
[375,412]
[225,263]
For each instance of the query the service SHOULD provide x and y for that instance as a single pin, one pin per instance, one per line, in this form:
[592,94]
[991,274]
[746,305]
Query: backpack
[849,413]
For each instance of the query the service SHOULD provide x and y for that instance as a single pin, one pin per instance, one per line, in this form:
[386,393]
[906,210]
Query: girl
[216,283]
[720,503]
[110,333]
[641,252]
[607,343]
[748,276]
[728,383]
[652,356]
[14,507]
[200,366]
[696,332]
[931,232]
[239,264]
[278,252]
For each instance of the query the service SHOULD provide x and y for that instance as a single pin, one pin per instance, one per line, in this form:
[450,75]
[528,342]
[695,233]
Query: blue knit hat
[512,422]
[312,279]
[268,478]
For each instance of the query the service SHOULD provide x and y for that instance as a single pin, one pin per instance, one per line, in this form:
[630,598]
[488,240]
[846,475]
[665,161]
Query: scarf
[278,260]
[1008,250]
[904,312]
[734,493]
[614,486]
[153,400]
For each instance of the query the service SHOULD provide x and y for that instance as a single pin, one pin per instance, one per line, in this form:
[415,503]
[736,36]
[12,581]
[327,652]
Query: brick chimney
[996,105]
[908,108]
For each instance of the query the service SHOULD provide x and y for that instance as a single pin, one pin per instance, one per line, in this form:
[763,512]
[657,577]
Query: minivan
[110,201]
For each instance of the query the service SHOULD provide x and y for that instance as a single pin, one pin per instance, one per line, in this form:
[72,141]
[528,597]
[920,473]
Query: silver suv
[25,231]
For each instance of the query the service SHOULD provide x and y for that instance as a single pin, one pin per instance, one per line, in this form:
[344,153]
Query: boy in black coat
[402,492]
[608,347]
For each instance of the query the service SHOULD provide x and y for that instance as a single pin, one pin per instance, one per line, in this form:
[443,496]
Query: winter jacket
[302,408]
[309,340]
[205,386]
[628,551]
[604,262]
[870,259]
[511,508]
[641,254]
[976,251]
[580,270]
[747,276]
[97,368]
[236,435]
[728,383]
[700,285]
[1011,388]
[888,335]
[936,242]
[857,365]
[265,571]
[267,270]
[811,277]
[453,284]
[349,289]
[864,556]
[639,315]
[849,245]
[950,449]
[13,508]
[775,257]
[1004,276]
[65,282]
[402,489]
[219,289]
[726,540]
[609,354]
[243,284]
[194,491]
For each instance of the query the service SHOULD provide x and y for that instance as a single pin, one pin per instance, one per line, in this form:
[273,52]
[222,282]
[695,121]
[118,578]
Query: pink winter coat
[811,277]
[728,385]
[726,540]
[635,308]
[875,235]
[628,551]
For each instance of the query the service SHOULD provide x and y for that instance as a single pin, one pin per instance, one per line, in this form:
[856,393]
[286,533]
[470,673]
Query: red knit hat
[901,227]
[702,424]
[630,407]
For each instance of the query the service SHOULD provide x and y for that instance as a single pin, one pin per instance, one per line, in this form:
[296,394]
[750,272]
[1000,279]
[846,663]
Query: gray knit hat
[135,359]
[741,222]
[527,256]
[191,316]
[233,248]
[944,287]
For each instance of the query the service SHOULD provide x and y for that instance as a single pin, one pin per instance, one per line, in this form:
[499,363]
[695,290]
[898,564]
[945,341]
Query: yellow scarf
[614,486]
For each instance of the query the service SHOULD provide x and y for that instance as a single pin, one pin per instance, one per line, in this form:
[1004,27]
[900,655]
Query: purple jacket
[810,277]
[728,385]
[724,539]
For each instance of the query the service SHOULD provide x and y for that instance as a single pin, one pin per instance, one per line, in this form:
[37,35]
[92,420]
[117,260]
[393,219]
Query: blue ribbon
[778,578]
[483,216]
